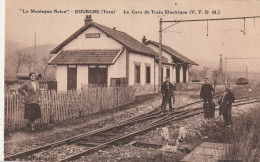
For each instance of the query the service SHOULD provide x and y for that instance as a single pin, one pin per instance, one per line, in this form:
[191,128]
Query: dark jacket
[165,89]
[206,91]
[33,96]
[229,98]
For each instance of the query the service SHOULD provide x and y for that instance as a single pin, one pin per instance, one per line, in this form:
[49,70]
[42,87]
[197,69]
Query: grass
[244,135]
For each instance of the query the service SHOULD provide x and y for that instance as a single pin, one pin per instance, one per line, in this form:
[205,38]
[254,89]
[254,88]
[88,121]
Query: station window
[168,73]
[148,74]
[137,73]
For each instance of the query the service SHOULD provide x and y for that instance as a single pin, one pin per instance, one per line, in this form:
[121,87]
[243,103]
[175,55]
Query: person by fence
[31,91]
[225,103]
[68,105]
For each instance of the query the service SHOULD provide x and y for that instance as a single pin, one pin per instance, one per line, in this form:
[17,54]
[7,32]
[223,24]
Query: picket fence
[63,106]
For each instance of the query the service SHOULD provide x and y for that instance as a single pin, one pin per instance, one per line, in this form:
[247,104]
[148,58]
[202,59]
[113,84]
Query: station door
[72,78]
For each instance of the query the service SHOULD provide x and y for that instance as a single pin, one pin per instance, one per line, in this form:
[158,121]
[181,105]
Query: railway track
[139,118]
[178,115]
[100,138]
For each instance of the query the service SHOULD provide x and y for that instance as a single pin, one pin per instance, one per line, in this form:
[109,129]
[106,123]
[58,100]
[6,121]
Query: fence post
[57,107]
[101,103]
[117,96]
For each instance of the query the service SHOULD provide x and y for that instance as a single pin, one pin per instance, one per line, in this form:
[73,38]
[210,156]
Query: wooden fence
[62,106]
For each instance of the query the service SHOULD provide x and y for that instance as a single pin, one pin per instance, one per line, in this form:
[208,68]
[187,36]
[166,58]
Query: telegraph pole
[34,57]
[220,64]
[225,70]
[197,20]
[234,58]
[160,54]
[246,72]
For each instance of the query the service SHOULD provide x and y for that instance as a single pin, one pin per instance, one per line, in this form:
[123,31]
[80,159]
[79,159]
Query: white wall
[164,72]
[156,74]
[103,42]
[165,54]
[61,77]
[169,57]
[82,75]
[118,70]
[181,75]
[173,75]
[143,60]
[187,75]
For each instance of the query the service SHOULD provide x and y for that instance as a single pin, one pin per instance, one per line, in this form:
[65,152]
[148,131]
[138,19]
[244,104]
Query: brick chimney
[88,19]
[144,39]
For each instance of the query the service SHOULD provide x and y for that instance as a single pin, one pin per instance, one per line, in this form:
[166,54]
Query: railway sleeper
[88,144]
[123,142]
[106,134]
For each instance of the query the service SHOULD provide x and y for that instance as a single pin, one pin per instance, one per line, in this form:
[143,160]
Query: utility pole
[246,71]
[220,64]
[197,20]
[237,59]
[221,70]
[34,57]
[160,55]
[225,71]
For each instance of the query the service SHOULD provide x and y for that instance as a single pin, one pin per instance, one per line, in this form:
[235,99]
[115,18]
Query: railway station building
[96,54]
[178,65]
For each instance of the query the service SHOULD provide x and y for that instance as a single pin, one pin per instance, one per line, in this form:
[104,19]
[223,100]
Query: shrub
[245,137]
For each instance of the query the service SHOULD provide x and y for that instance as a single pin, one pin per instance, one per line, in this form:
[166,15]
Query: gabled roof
[106,56]
[172,52]
[164,60]
[123,38]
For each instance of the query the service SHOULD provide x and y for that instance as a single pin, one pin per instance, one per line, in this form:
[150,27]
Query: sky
[188,38]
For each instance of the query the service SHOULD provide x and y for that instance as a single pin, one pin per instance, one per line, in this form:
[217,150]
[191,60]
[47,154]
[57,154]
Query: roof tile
[85,57]
[173,52]
[119,36]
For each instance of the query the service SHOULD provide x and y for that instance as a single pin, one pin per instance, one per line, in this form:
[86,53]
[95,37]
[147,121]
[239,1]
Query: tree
[218,75]
[204,72]
[29,61]
[194,73]
[19,59]
[45,61]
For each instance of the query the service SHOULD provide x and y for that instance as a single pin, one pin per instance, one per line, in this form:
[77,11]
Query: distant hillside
[11,49]
[252,76]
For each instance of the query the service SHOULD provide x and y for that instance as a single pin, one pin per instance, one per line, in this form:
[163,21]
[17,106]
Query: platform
[207,152]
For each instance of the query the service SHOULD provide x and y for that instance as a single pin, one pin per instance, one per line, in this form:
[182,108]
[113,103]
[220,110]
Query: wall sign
[92,35]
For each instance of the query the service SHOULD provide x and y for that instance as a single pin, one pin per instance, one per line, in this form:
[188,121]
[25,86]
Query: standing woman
[31,91]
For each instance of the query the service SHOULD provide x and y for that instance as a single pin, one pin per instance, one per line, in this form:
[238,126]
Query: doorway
[72,78]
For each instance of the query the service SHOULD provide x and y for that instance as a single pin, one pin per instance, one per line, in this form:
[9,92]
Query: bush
[195,80]
[245,137]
